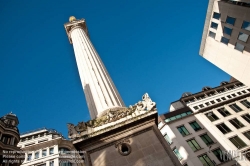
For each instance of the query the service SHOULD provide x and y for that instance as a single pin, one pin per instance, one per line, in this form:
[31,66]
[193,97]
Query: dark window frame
[205,157]
[228,19]
[193,144]
[227,31]
[239,141]
[213,116]
[215,14]
[236,123]
[182,131]
[224,112]
[235,107]
[223,128]
[205,138]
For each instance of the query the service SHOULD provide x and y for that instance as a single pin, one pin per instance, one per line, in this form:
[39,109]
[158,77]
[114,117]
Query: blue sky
[147,46]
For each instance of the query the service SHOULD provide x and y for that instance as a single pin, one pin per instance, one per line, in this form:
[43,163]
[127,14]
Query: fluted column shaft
[100,91]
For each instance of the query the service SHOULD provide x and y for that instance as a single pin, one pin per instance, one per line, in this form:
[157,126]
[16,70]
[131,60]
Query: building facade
[225,40]
[44,147]
[211,127]
[10,154]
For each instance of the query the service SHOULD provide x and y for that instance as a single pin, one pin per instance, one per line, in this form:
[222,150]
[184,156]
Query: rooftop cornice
[223,103]
[210,90]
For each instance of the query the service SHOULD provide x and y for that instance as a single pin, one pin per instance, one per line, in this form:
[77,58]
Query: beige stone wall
[147,150]
[230,60]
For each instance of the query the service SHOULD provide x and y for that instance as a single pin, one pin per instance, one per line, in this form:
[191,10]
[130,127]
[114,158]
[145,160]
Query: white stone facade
[48,148]
[100,91]
[169,126]
[225,55]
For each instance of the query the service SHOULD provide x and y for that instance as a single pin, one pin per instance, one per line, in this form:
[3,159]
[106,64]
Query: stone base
[139,143]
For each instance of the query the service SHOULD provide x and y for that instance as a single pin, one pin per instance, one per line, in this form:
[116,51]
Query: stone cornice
[105,136]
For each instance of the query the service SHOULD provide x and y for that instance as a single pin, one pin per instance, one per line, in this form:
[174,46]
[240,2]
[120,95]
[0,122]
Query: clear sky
[146,45]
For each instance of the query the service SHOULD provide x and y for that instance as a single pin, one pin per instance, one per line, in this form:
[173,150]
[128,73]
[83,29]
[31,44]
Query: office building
[202,128]
[225,40]
[47,147]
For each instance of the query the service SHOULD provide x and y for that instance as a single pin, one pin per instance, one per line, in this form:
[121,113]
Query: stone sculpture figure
[71,129]
[113,115]
[147,102]
[81,127]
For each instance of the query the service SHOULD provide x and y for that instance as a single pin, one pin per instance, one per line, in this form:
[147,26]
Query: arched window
[6,139]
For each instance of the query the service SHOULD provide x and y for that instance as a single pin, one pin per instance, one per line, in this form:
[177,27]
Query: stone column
[100,91]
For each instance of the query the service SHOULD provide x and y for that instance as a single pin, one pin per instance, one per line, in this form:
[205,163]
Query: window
[239,93]
[214,25]
[236,123]
[243,37]
[239,47]
[160,125]
[234,95]
[218,100]
[230,20]
[229,97]
[207,103]
[217,16]
[247,134]
[219,154]
[196,107]
[243,91]
[211,116]
[245,103]
[212,102]
[224,40]
[207,139]
[246,25]
[183,130]
[246,117]
[223,112]
[193,145]
[51,150]
[201,105]
[238,142]
[211,34]
[195,126]
[205,160]
[51,163]
[167,139]
[235,107]
[227,31]
[36,155]
[44,152]
[223,98]
[176,152]
[177,116]
[6,139]
[223,128]
[29,157]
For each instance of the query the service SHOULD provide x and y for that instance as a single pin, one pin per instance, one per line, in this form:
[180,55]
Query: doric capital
[74,23]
